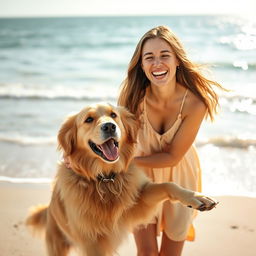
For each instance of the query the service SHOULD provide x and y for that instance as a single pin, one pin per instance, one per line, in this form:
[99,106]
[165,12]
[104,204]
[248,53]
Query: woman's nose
[157,61]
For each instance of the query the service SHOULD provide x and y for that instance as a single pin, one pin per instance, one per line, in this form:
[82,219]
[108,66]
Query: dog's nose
[108,127]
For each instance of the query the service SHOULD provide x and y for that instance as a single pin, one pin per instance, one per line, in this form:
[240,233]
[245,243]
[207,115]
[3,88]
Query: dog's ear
[131,124]
[67,135]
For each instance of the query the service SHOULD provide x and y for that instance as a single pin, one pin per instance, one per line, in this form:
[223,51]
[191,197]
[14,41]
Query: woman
[171,97]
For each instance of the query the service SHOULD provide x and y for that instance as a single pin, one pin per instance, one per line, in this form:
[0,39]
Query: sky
[21,8]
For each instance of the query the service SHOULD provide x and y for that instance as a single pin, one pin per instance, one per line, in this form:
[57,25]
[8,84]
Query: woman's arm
[181,142]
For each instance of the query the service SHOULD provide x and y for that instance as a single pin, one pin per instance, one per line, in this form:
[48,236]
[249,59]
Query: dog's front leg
[154,193]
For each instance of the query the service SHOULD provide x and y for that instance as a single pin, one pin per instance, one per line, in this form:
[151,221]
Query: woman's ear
[67,136]
[177,62]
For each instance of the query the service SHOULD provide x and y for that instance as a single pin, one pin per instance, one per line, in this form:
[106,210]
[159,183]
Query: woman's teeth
[159,73]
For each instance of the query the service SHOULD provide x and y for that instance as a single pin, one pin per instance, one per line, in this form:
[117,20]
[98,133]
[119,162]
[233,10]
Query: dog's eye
[88,119]
[113,115]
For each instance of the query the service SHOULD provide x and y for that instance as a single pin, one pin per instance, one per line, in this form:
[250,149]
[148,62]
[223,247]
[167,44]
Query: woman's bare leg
[146,241]
[170,247]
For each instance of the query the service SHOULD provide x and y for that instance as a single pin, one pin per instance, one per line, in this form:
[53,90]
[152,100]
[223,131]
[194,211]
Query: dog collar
[107,178]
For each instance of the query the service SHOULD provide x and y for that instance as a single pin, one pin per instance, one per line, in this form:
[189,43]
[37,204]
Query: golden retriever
[104,195]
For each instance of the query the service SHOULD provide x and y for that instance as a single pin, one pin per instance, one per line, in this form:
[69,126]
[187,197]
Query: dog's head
[100,138]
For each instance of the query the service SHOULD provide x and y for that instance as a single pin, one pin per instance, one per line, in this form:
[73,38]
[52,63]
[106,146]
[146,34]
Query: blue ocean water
[50,67]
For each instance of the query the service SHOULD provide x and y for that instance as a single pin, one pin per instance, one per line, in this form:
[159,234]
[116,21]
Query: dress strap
[183,101]
[144,104]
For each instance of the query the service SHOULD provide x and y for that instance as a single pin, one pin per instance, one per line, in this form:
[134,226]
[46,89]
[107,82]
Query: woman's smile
[159,62]
[159,74]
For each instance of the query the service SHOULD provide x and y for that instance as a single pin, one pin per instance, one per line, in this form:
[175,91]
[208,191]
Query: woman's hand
[67,161]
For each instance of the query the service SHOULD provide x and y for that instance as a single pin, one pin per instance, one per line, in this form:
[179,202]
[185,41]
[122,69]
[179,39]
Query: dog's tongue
[109,150]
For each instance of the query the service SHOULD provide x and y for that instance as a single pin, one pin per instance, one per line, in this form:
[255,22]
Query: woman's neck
[161,94]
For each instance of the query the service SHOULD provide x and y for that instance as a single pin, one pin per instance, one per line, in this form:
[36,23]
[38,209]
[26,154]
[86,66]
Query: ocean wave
[244,65]
[232,96]
[96,92]
[26,180]
[230,142]
[61,98]
[28,141]
[239,103]
[28,41]
[20,91]
[242,101]
[240,41]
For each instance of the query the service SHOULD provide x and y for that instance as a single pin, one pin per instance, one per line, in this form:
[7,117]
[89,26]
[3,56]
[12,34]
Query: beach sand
[228,230]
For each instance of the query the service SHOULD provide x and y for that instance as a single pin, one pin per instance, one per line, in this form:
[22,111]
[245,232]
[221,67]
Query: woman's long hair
[188,74]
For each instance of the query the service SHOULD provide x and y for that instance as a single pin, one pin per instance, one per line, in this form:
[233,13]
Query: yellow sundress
[174,219]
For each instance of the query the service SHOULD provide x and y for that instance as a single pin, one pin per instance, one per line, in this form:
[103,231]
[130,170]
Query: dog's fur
[103,196]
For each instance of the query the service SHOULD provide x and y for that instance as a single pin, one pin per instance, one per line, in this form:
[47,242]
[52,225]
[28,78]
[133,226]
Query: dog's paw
[203,203]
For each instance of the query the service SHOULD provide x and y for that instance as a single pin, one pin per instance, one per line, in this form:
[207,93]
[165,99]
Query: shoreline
[230,169]
[229,229]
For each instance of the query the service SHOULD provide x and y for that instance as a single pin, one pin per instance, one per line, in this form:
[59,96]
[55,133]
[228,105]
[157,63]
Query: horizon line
[119,15]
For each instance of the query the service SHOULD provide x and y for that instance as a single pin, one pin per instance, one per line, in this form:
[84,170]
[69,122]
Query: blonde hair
[188,74]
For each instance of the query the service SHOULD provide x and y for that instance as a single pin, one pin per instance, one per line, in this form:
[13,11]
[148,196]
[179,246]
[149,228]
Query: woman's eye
[113,115]
[165,56]
[89,120]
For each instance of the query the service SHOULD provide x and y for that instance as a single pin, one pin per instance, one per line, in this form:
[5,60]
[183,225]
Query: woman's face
[159,62]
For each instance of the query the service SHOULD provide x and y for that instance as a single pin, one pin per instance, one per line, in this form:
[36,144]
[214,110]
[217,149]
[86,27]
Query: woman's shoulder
[194,104]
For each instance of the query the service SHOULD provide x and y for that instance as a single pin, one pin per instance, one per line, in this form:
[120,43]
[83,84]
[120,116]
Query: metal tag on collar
[109,178]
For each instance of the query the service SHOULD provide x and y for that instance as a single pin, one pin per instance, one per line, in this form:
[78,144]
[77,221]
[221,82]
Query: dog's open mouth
[108,150]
